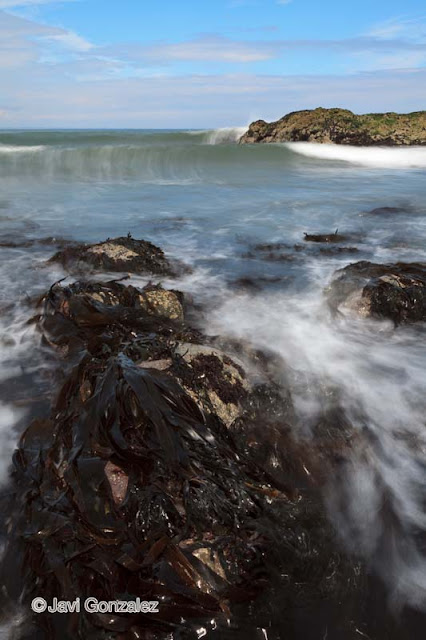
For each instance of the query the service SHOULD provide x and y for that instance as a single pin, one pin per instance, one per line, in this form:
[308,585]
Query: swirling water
[209,201]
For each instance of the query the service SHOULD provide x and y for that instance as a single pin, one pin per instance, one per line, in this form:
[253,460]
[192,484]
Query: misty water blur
[379,373]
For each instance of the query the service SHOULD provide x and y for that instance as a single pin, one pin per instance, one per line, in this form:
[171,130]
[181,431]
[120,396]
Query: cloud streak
[10,4]
[211,49]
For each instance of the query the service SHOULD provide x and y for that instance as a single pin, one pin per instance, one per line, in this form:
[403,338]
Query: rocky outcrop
[341,126]
[393,291]
[124,254]
[166,470]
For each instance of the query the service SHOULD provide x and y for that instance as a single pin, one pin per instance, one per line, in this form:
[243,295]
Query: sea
[237,214]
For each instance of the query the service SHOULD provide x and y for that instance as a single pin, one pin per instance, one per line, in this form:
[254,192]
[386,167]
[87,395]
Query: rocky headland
[341,126]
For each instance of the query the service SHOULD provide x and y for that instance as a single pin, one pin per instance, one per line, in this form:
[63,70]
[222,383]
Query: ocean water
[210,202]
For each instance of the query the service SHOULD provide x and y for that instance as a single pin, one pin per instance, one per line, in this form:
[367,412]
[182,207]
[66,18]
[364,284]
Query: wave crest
[225,135]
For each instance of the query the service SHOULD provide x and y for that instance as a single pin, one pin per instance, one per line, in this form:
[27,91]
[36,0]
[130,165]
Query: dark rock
[117,254]
[257,283]
[334,251]
[325,237]
[12,243]
[387,211]
[394,291]
[270,246]
[271,252]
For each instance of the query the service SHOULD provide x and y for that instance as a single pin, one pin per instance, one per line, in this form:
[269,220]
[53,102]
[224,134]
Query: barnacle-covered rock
[393,291]
[125,254]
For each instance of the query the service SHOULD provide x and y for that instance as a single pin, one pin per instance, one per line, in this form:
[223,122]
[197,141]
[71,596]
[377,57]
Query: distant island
[341,126]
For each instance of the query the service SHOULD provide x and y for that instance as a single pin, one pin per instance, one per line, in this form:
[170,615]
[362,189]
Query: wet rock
[117,254]
[213,380]
[97,304]
[335,251]
[387,211]
[393,291]
[160,302]
[12,243]
[257,283]
[160,365]
[325,237]
[118,480]
[270,246]
[270,256]
[271,252]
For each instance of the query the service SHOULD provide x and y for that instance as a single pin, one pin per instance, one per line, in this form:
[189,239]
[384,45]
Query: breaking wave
[153,156]
[177,157]
[381,157]
[225,135]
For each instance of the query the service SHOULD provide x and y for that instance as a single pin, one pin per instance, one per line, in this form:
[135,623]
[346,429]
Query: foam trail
[378,374]
[385,157]
[8,419]
[12,149]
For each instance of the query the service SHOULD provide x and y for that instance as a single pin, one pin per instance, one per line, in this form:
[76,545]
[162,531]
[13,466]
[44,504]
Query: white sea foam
[6,148]
[9,416]
[386,157]
[225,135]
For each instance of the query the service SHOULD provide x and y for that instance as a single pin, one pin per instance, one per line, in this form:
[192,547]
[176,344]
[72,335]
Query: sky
[205,63]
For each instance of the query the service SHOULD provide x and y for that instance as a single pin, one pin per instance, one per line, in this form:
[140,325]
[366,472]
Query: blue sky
[136,63]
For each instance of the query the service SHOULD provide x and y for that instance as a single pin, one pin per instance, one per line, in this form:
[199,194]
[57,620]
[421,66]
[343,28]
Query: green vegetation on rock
[340,126]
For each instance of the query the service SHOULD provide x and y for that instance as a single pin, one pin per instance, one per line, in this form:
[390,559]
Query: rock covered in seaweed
[117,254]
[341,126]
[96,315]
[109,316]
[164,470]
[326,238]
[394,291]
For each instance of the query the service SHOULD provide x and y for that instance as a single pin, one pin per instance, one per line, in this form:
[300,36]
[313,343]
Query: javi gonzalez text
[93,605]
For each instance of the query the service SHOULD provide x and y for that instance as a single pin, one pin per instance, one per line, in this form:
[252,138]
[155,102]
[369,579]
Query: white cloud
[71,40]
[18,40]
[413,29]
[210,48]
[365,61]
[405,39]
[24,42]
[9,4]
